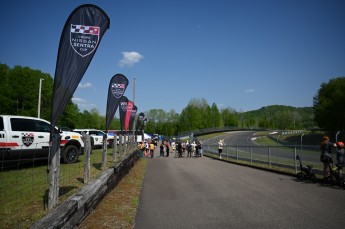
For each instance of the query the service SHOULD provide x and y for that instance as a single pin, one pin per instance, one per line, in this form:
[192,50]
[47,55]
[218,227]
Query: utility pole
[39,99]
[134,90]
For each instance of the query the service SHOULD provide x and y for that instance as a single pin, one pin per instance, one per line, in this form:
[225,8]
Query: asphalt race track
[209,193]
[243,140]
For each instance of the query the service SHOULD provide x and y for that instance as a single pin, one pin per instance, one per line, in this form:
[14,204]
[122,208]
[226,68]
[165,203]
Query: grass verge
[24,190]
[118,208]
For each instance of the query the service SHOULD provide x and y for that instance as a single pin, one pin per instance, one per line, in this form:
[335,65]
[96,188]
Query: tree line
[19,96]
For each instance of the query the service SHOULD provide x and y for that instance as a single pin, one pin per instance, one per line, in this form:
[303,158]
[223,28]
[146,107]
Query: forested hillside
[281,117]
[19,96]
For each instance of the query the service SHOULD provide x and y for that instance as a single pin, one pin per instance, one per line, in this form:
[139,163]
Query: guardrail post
[237,153]
[269,156]
[295,154]
[251,155]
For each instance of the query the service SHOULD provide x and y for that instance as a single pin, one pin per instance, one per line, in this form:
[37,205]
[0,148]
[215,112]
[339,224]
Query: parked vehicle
[96,137]
[24,138]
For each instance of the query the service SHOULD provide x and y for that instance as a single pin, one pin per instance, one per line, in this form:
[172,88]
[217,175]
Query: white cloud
[130,58]
[85,85]
[249,90]
[78,100]
[83,104]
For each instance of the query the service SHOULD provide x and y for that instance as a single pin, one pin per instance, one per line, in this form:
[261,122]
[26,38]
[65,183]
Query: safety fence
[24,184]
[284,157]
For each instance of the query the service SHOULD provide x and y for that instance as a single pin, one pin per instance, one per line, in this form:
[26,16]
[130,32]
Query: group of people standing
[147,148]
[327,148]
[164,148]
[193,149]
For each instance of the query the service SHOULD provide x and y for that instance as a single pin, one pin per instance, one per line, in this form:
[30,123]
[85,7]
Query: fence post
[54,171]
[120,145]
[115,147]
[295,154]
[104,152]
[87,151]
[227,155]
[237,153]
[269,156]
[251,155]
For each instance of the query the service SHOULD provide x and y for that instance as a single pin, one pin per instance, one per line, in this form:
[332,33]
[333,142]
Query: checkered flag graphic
[85,29]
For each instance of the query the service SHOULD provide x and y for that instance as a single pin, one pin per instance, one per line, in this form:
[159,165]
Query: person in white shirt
[220,147]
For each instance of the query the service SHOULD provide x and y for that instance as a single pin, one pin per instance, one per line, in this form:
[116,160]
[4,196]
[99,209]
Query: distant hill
[280,117]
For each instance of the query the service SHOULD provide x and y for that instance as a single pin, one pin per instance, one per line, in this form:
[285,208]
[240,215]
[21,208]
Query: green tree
[215,116]
[229,117]
[5,89]
[19,91]
[70,117]
[193,116]
[328,104]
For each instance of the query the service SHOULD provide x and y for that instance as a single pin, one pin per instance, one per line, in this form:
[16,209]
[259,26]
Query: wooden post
[54,171]
[120,144]
[104,152]
[115,147]
[87,152]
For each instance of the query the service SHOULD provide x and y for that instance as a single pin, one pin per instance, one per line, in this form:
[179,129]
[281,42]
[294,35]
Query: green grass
[119,207]
[23,192]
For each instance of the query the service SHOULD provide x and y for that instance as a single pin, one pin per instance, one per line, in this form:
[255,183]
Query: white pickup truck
[27,138]
[96,137]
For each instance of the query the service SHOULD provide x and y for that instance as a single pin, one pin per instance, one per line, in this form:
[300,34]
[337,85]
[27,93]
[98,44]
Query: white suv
[23,138]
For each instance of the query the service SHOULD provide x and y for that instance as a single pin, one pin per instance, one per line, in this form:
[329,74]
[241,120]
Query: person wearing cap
[340,156]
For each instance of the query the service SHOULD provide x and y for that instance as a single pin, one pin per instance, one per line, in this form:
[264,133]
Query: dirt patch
[118,208]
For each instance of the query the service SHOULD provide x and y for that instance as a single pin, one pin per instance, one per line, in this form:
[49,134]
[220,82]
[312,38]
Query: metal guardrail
[277,156]
[212,130]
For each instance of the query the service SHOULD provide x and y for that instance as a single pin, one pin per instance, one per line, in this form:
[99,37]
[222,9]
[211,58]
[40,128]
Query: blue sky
[242,54]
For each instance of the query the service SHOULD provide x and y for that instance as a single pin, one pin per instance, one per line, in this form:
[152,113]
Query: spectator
[220,147]
[340,156]
[193,149]
[167,147]
[142,148]
[200,149]
[161,149]
[147,148]
[152,148]
[173,147]
[189,150]
[184,147]
[179,149]
[326,148]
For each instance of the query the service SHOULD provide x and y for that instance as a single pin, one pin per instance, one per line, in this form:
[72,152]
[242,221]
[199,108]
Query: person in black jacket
[326,148]
[179,149]
[161,149]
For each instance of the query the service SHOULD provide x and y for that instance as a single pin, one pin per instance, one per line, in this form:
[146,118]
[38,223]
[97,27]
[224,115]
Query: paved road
[208,193]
